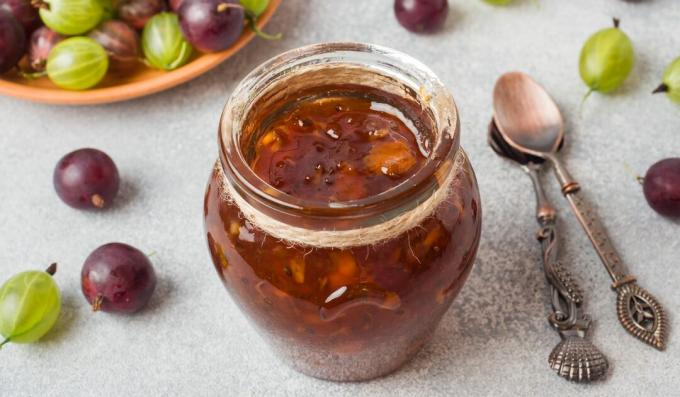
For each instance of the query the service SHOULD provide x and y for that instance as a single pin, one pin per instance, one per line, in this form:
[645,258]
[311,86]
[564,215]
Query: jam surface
[337,148]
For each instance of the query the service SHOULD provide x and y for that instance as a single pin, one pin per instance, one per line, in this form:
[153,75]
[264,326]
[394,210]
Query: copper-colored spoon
[529,121]
[574,358]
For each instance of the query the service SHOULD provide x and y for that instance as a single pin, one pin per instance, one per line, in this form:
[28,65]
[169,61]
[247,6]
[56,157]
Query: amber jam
[341,158]
[337,148]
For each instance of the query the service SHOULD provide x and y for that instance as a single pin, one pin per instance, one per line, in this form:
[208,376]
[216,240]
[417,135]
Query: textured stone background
[495,339]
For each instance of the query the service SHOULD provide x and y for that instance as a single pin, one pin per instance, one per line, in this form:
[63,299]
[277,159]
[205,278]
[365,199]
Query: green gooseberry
[163,44]
[606,59]
[71,17]
[30,303]
[109,10]
[671,81]
[77,63]
[255,7]
[498,2]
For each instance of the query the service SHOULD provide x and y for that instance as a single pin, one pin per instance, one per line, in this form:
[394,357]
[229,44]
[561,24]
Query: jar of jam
[342,215]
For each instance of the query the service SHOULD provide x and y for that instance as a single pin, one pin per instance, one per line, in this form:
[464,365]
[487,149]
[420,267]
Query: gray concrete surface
[193,341]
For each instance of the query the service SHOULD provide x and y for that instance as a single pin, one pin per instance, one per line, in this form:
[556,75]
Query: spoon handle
[598,236]
[639,312]
[566,295]
[574,352]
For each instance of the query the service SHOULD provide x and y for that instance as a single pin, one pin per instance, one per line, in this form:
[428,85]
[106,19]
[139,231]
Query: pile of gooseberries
[76,42]
[115,277]
[607,59]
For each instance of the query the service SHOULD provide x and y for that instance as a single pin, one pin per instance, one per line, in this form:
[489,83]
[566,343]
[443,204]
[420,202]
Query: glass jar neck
[398,77]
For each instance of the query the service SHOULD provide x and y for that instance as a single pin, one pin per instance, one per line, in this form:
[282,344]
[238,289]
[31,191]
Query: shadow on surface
[128,192]
[67,318]
[165,289]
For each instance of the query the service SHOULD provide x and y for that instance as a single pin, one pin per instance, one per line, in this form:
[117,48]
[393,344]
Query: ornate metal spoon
[574,358]
[530,122]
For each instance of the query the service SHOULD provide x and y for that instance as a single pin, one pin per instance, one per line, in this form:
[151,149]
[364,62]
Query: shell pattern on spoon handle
[575,358]
[639,312]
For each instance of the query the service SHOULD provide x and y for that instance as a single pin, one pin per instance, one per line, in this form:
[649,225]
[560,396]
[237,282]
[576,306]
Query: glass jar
[349,290]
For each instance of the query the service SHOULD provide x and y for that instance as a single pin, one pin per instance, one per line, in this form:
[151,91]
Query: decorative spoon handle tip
[642,315]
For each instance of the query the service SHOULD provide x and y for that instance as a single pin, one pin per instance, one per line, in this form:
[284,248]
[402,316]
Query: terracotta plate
[136,83]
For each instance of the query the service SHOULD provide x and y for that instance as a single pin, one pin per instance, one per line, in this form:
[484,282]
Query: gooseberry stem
[6,341]
[662,88]
[583,100]
[225,6]
[145,62]
[632,173]
[97,304]
[97,201]
[51,269]
[40,4]
[32,76]
[617,22]
[253,26]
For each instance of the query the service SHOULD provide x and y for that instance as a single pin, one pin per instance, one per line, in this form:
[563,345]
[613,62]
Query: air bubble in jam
[365,294]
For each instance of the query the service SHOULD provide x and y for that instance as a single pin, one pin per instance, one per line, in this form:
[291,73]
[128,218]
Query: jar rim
[378,58]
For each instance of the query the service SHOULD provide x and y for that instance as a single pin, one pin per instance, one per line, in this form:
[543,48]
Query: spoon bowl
[503,149]
[526,116]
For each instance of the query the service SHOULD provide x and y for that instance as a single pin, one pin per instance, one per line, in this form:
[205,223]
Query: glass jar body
[347,314]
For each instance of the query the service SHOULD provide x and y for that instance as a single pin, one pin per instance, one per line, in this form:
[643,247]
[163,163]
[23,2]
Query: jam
[344,301]
[337,148]
[326,148]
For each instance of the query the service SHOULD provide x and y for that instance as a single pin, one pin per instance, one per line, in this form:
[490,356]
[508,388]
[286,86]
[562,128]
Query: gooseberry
[120,41]
[175,4]
[43,40]
[421,15]
[661,186]
[77,63]
[498,2]
[12,41]
[255,7]
[117,277]
[30,303]
[606,59]
[109,10]
[24,12]
[70,17]
[211,25]
[163,44]
[671,81]
[86,179]
[138,12]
